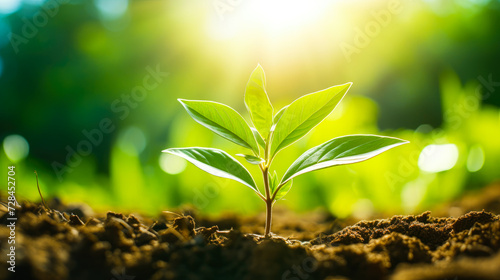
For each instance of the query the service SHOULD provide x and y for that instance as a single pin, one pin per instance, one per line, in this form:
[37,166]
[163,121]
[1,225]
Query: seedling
[271,133]
[40,192]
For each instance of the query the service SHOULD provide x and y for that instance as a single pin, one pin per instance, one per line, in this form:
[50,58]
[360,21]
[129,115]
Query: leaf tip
[401,141]
[260,71]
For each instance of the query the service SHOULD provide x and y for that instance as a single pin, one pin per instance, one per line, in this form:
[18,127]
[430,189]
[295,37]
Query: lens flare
[16,147]
[436,158]
[172,164]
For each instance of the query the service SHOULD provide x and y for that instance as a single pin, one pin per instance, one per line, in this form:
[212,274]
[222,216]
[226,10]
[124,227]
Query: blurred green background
[88,95]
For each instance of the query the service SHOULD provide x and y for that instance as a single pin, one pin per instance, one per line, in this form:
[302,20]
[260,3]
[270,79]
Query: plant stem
[269,204]
[38,186]
[269,216]
[265,174]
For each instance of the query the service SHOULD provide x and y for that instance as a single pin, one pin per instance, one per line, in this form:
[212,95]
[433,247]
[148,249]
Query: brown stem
[269,216]
[265,172]
[269,201]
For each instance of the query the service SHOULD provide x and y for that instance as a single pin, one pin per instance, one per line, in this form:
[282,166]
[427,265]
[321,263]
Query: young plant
[272,132]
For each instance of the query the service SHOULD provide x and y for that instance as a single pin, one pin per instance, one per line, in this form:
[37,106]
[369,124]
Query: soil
[68,242]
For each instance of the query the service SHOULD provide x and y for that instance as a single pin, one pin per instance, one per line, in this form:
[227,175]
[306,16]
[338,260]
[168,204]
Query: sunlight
[273,18]
[437,158]
[280,15]
[9,6]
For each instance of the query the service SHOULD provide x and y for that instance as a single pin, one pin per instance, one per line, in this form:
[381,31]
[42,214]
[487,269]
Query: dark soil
[59,245]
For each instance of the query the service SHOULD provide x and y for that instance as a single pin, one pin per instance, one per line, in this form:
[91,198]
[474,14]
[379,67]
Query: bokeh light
[132,140]
[9,6]
[413,192]
[172,164]
[363,209]
[111,9]
[475,160]
[16,147]
[436,158]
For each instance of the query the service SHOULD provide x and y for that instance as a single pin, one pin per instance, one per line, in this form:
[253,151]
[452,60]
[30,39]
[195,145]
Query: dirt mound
[59,245]
[412,245]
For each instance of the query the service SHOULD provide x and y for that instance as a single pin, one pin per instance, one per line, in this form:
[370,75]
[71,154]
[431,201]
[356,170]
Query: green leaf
[215,162]
[304,114]
[258,138]
[251,159]
[284,190]
[273,184]
[257,102]
[340,151]
[273,181]
[223,120]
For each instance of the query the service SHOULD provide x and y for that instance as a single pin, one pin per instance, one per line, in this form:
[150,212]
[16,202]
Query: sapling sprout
[272,132]
[39,192]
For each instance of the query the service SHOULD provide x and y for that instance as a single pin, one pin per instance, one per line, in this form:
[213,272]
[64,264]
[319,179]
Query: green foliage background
[428,74]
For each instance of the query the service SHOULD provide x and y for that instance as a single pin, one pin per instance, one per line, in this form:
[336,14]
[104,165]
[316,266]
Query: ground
[455,241]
